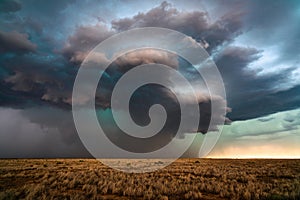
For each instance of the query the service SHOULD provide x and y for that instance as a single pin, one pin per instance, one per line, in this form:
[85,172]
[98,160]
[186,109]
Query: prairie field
[184,179]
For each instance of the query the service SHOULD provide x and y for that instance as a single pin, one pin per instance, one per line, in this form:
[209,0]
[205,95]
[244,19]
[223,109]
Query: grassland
[184,179]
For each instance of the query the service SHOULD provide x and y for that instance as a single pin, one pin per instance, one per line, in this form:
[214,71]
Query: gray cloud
[273,28]
[196,24]
[233,62]
[83,40]
[39,81]
[146,56]
[38,132]
[149,95]
[249,94]
[15,42]
[10,6]
[237,34]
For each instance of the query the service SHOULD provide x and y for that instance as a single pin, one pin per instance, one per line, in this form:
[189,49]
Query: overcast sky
[255,45]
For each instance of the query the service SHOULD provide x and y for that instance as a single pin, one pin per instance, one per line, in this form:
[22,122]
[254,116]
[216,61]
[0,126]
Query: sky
[254,44]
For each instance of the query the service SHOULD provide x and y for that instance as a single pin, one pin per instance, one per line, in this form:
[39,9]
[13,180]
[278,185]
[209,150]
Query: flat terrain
[184,179]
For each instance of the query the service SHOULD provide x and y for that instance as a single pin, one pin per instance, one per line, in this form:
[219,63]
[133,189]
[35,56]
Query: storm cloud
[10,6]
[15,42]
[196,24]
[83,40]
[254,44]
[38,134]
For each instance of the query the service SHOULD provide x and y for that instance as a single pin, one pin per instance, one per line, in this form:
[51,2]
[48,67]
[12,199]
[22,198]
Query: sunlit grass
[184,179]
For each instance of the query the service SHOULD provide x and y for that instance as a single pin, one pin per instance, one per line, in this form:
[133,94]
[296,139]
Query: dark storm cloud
[246,90]
[146,56]
[232,61]
[193,23]
[83,40]
[196,24]
[30,70]
[266,103]
[15,42]
[39,132]
[149,95]
[10,6]
[41,87]
[42,44]
[274,29]
[271,14]
[38,79]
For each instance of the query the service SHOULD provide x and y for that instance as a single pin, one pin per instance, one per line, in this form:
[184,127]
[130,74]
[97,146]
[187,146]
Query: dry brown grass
[184,179]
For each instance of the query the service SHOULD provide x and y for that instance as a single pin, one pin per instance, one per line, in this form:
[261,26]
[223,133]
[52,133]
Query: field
[184,179]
